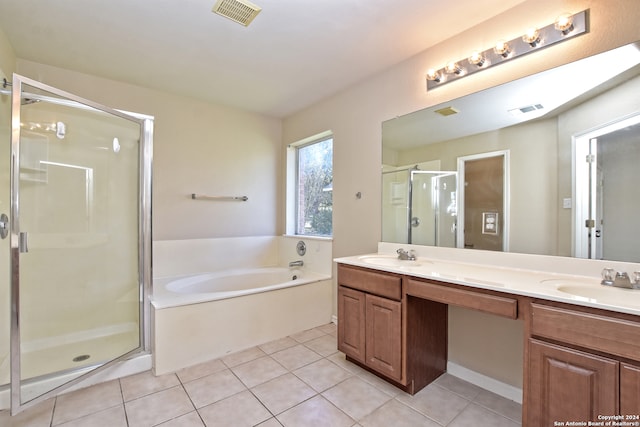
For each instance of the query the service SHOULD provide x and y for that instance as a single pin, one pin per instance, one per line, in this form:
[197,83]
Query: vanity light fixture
[565,27]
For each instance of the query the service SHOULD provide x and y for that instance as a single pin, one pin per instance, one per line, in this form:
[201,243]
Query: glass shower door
[433,211]
[77,239]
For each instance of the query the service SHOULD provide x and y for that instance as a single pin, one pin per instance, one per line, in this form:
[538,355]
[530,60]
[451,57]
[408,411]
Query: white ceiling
[295,53]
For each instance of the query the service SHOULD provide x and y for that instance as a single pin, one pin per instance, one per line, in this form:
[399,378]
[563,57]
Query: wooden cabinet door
[629,390]
[384,338]
[351,323]
[567,384]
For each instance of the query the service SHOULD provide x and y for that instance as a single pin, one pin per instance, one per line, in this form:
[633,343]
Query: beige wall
[7,58]
[200,148]
[355,116]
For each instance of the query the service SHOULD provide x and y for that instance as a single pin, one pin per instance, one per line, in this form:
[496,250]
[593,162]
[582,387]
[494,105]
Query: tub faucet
[299,263]
[407,256]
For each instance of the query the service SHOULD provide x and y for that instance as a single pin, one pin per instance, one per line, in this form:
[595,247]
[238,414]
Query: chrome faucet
[406,256]
[299,263]
[620,279]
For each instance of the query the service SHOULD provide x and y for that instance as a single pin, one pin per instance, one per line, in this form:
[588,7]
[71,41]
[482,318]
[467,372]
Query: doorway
[483,212]
[605,191]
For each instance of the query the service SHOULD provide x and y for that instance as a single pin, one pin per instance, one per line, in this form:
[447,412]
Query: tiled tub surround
[580,338]
[299,380]
[190,328]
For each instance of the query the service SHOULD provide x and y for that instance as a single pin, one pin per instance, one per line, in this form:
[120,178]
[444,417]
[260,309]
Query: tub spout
[296,263]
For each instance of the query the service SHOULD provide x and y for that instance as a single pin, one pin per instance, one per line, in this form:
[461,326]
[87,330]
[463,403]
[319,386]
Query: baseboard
[498,387]
[334,319]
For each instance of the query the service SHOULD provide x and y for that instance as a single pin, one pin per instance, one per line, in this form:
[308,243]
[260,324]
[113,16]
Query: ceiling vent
[525,110]
[447,111]
[240,11]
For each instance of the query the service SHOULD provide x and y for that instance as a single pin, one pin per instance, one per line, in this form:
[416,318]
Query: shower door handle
[23,242]
[4,226]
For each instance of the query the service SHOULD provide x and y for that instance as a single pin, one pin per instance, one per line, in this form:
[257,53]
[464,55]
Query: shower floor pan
[80,350]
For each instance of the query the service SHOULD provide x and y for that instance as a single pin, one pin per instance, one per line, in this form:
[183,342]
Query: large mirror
[547,164]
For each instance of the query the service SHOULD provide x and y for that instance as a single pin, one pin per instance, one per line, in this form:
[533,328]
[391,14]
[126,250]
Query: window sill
[307,237]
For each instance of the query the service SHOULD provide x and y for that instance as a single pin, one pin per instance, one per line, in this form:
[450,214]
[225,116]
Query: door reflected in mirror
[483,201]
[538,120]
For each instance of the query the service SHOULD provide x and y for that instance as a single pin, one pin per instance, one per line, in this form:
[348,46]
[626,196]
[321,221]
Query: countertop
[567,288]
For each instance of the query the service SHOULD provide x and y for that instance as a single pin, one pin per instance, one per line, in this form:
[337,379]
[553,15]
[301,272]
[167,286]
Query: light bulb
[477,58]
[564,23]
[532,36]
[434,76]
[502,48]
[453,68]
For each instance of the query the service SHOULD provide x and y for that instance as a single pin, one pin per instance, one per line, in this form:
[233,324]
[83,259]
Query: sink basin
[601,294]
[389,261]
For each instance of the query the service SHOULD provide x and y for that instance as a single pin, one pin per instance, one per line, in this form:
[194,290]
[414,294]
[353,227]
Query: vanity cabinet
[580,362]
[578,365]
[629,389]
[383,336]
[400,338]
[567,384]
[351,327]
[370,313]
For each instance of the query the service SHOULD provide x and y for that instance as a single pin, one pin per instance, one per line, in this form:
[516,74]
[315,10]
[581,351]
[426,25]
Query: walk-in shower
[76,190]
[420,207]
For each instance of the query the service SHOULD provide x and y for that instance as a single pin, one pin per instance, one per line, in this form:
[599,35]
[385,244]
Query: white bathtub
[203,287]
[203,316]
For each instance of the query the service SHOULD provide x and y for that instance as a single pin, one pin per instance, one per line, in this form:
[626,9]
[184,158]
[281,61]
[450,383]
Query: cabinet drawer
[502,306]
[382,284]
[594,331]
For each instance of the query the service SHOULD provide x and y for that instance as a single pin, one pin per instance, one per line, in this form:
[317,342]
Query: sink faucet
[299,263]
[407,256]
[620,279]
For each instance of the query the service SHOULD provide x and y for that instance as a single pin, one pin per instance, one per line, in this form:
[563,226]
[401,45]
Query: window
[312,187]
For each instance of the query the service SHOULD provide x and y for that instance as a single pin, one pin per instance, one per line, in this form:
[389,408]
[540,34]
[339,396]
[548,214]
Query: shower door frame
[144,233]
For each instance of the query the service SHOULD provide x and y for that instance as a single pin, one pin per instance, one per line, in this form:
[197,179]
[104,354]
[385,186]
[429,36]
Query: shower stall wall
[79,241]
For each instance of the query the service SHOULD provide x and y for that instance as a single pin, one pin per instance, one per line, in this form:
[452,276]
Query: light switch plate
[490,223]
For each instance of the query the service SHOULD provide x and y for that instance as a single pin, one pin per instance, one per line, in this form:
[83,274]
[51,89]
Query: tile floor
[300,380]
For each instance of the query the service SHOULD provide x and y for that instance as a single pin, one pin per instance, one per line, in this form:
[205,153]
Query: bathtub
[204,316]
[233,283]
